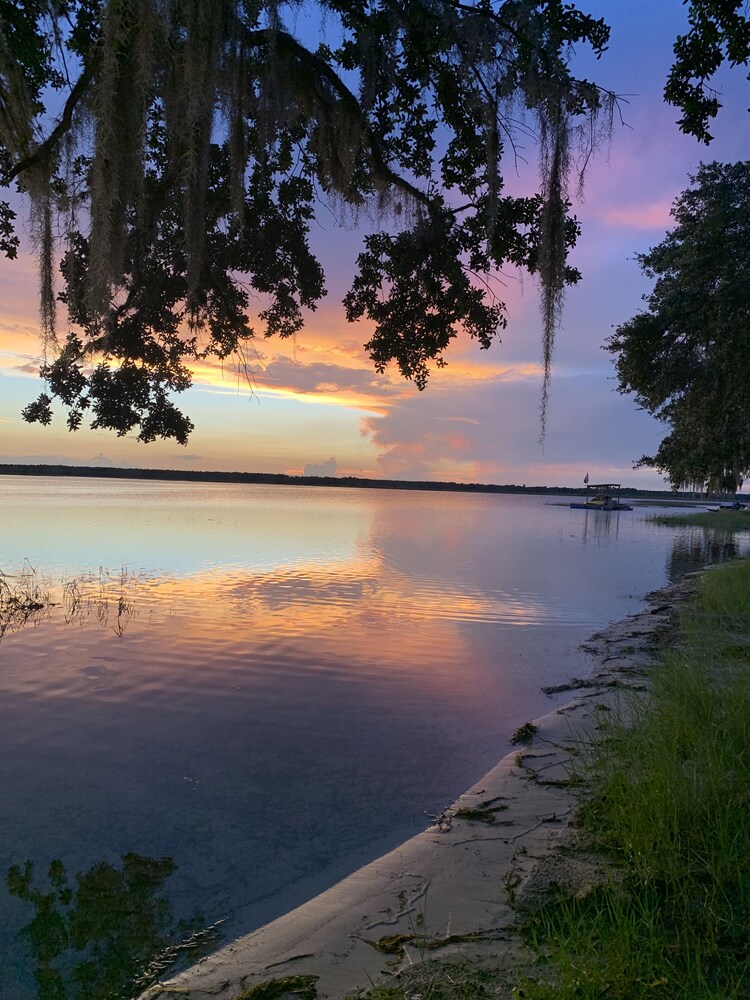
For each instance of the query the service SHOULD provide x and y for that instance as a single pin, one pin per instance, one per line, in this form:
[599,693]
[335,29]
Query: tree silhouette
[686,358]
[174,155]
[196,139]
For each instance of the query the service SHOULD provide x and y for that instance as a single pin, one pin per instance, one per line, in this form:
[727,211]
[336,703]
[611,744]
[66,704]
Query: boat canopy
[602,496]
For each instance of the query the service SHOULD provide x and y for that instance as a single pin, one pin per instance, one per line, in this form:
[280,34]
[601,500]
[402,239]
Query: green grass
[726,520]
[446,980]
[671,806]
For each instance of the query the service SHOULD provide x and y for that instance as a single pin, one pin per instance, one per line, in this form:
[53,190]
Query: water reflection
[28,599]
[598,524]
[694,547]
[298,675]
[107,596]
[108,933]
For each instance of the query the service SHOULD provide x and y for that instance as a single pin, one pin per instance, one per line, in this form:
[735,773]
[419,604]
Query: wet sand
[455,889]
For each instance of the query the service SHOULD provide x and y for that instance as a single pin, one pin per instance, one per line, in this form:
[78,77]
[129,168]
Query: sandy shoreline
[447,891]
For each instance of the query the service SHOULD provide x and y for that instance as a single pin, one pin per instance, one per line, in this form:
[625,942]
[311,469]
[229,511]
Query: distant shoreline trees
[283,479]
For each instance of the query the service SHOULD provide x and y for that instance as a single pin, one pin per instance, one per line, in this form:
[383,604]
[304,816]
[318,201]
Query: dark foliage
[175,154]
[92,938]
[196,140]
[687,358]
[719,32]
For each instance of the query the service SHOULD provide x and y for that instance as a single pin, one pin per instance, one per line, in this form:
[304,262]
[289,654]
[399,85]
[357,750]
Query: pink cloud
[655,215]
[491,433]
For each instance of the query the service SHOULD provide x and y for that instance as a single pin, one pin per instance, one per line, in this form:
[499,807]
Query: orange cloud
[318,378]
[311,382]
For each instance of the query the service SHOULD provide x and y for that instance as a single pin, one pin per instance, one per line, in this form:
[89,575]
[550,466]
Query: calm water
[273,685]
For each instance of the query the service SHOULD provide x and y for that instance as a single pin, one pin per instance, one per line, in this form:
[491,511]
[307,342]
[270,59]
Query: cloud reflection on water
[305,674]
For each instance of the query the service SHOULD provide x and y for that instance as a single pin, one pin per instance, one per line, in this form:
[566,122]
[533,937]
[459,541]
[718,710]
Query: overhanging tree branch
[212,126]
[48,146]
[289,45]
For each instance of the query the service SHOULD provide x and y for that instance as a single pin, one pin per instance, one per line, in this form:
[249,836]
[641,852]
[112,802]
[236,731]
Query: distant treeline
[279,479]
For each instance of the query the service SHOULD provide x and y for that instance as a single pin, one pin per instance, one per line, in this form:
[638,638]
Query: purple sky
[316,403]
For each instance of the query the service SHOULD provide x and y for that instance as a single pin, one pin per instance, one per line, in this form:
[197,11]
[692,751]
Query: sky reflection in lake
[271,685]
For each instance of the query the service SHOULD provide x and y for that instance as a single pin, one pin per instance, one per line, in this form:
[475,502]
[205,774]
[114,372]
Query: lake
[270,686]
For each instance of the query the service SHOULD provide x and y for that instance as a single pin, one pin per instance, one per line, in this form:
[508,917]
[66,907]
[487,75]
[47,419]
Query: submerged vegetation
[109,597]
[524,733]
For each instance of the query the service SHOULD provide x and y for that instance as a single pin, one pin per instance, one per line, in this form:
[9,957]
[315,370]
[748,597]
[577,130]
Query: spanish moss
[201,139]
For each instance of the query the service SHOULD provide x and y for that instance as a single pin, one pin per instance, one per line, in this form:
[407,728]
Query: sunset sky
[317,406]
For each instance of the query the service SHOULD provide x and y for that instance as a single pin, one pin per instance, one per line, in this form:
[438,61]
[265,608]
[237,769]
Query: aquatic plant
[103,595]
[524,734]
[722,520]
[23,599]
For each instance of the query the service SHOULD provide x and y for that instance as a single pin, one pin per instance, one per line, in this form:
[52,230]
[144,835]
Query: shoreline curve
[447,891]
